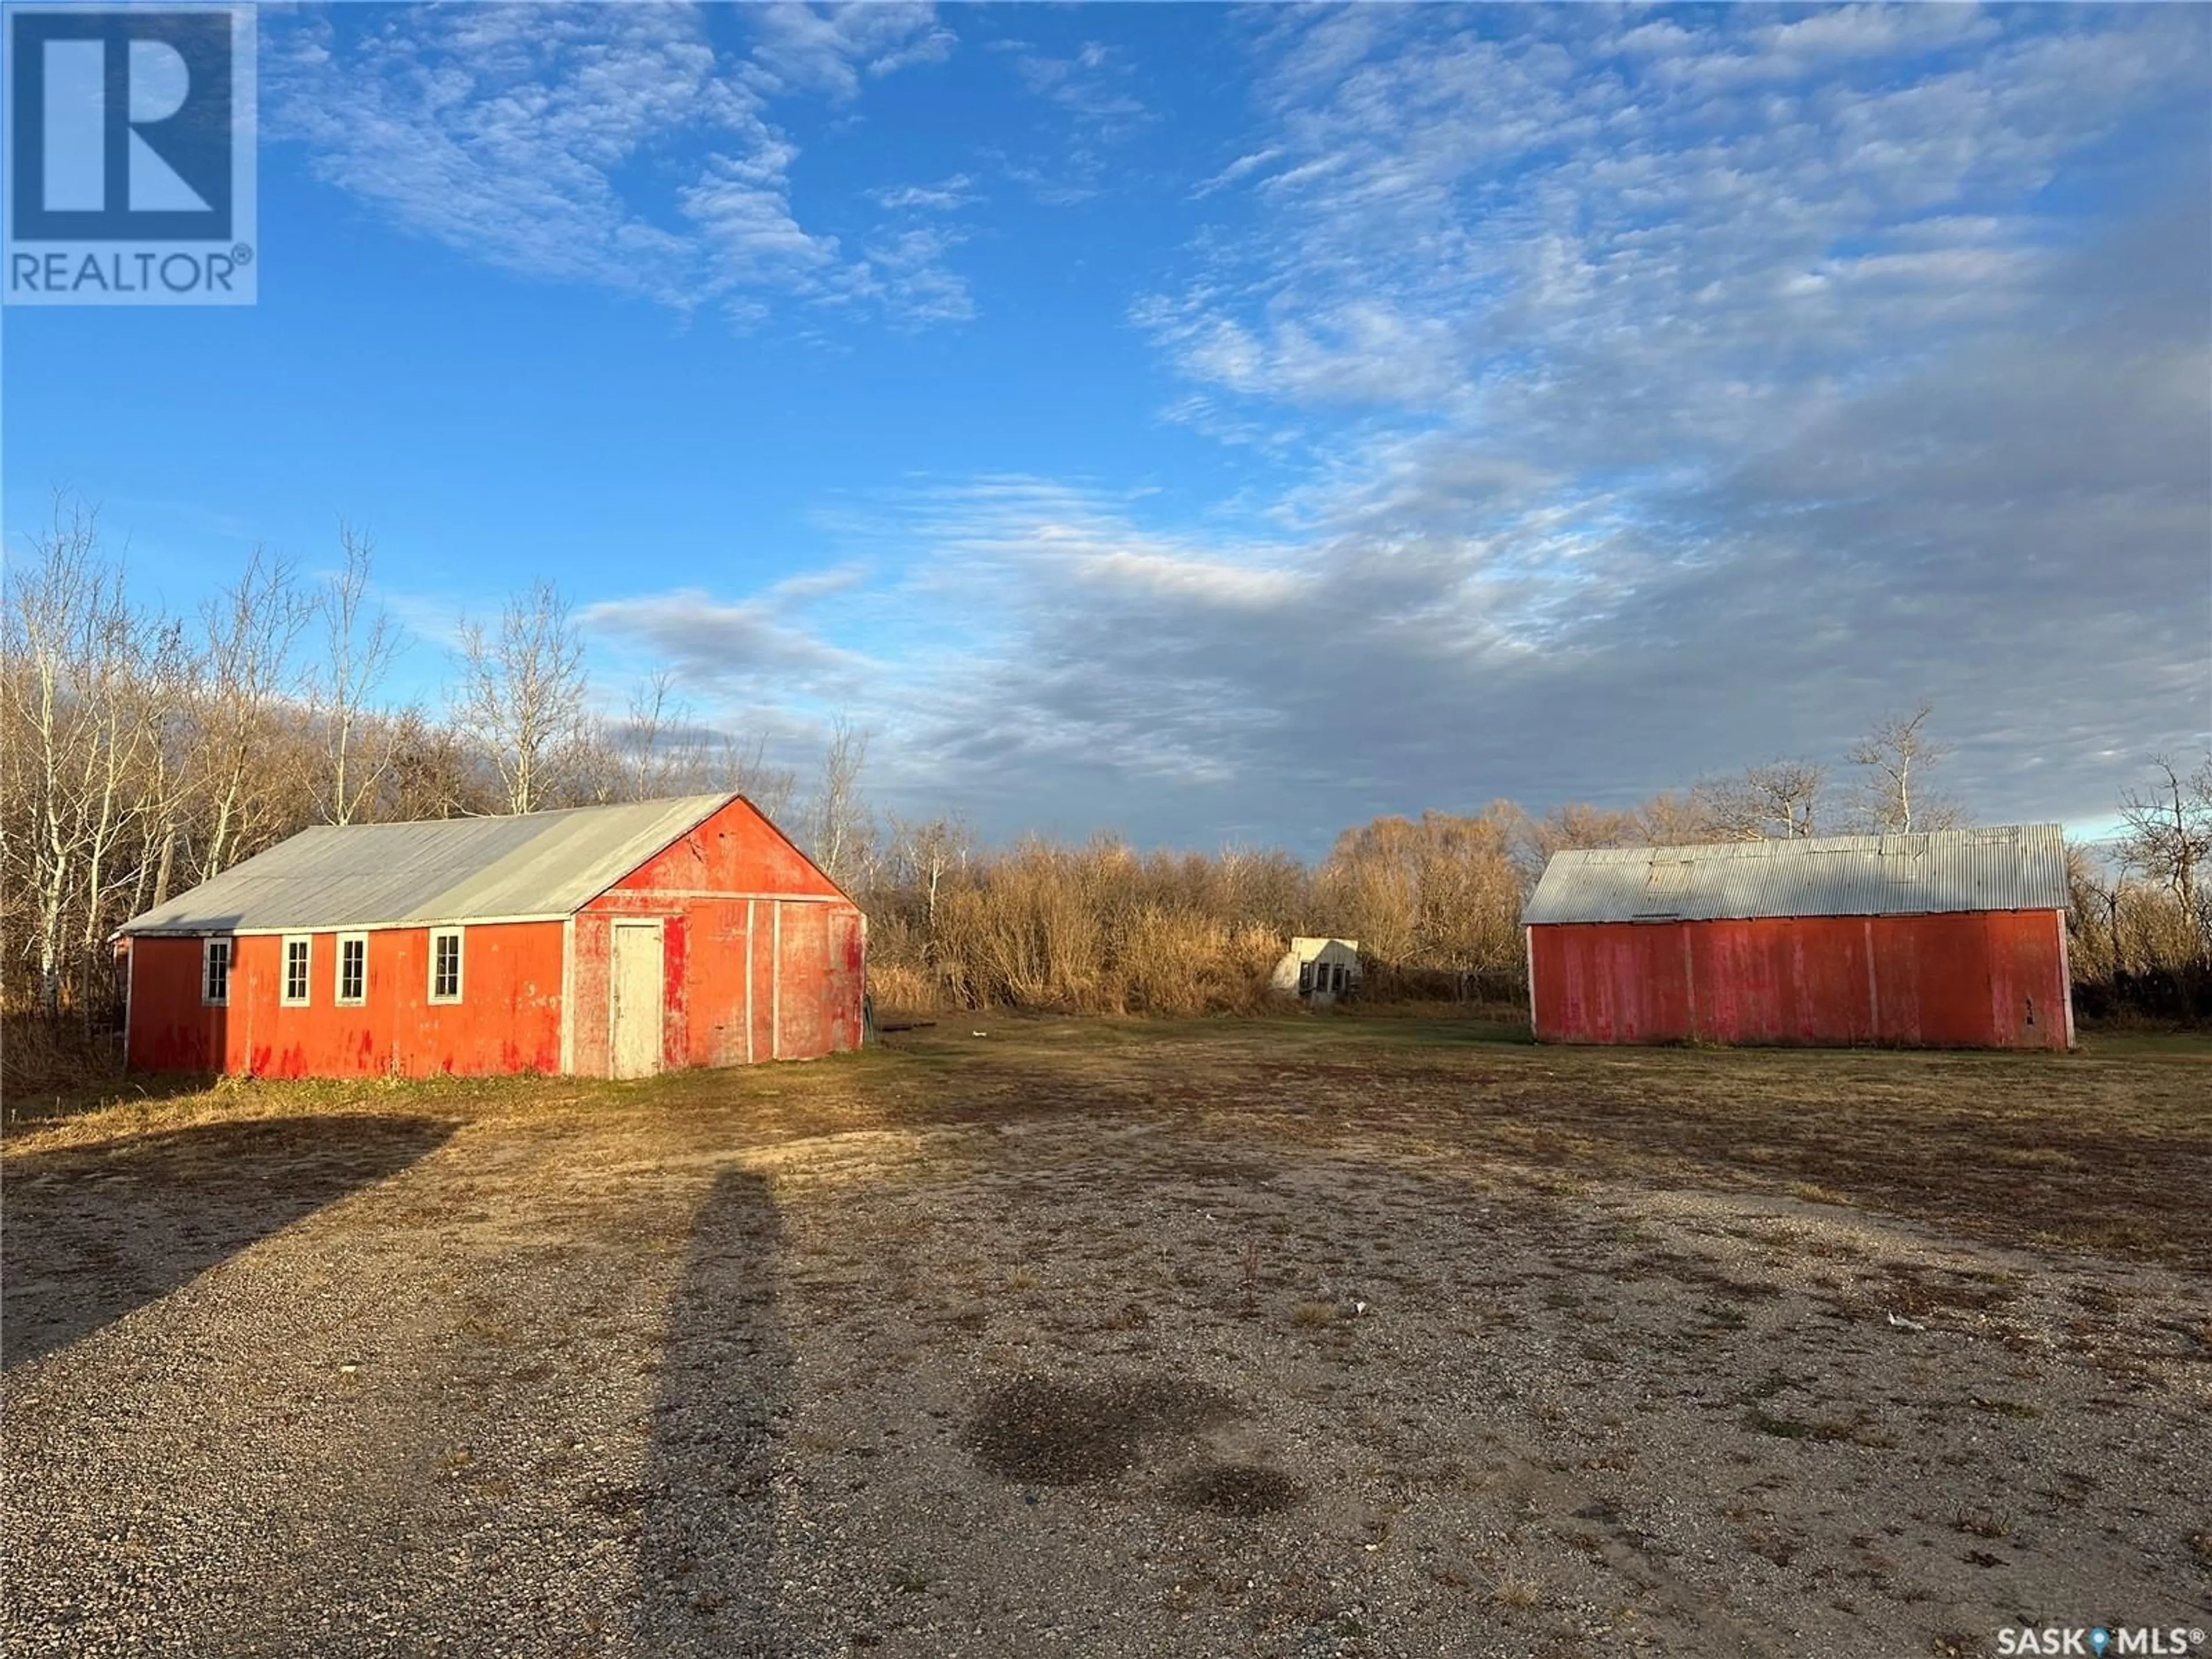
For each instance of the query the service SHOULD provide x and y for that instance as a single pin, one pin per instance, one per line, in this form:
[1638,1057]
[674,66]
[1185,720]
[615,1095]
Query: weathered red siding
[1976,980]
[763,955]
[762,959]
[508,1020]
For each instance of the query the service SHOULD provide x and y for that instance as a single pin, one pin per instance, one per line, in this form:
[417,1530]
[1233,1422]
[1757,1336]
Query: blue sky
[1222,422]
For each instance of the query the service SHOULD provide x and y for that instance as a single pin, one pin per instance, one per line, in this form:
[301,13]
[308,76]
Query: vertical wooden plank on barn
[1899,972]
[675,1004]
[2031,1003]
[568,997]
[1623,982]
[130,990]
[1665,1002]
[593,944]
[814,973]
[852,979]
[714,981]
[1729,966]
[2010,1007]
[1689,982]
[1873,984]
[752,934]
[775,982]
[2065,974]
[762,970]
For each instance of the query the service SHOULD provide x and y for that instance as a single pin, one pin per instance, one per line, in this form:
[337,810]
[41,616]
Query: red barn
[606,941]
[1955,938]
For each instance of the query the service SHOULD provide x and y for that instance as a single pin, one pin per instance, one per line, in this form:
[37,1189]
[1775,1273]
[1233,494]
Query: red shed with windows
[1953,939]
[605,941]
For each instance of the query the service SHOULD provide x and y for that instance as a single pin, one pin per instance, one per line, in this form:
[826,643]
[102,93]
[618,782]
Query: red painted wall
[737,852]
[1980,980]
[715,893]
[508,1018]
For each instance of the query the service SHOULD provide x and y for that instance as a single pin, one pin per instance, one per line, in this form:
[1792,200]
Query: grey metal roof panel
[2015,867]
[538,864]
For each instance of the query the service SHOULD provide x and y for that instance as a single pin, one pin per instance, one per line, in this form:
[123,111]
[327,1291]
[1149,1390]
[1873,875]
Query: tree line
[143,753]
[1435,900]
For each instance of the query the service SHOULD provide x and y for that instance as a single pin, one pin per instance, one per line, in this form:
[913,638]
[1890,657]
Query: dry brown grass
[43,1057]
[1519,1593]
[1923,1135]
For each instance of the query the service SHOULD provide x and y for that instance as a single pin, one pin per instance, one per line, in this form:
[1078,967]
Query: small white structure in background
[1319,969]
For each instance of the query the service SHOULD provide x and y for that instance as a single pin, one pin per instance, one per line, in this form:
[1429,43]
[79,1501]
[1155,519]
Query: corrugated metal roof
[2017,868]
[366,875]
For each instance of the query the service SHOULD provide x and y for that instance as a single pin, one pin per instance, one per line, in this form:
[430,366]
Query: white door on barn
[636,997]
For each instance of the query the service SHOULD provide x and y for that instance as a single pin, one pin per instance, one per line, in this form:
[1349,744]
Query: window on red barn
[299,957]
[445,964]
[352,969]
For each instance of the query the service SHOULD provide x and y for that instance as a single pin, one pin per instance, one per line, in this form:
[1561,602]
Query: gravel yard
[1270,1338]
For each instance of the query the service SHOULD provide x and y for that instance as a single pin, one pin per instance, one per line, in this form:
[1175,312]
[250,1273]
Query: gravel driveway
[1201,1345]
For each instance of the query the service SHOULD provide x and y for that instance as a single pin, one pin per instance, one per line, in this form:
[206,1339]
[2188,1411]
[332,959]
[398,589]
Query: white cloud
[730,648]
[947,196]
[918,287]
[1092,85]
[515,135]
[827,49]
[1447,209]
[1243,166]
[1650,420]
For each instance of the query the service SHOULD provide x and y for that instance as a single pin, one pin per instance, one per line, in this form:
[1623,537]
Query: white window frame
[284,997]
[207,962]
[459,936]
[338,996]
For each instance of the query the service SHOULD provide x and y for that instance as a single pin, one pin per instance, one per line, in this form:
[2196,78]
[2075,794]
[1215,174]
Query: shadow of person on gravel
[89,1233]
[706,1569]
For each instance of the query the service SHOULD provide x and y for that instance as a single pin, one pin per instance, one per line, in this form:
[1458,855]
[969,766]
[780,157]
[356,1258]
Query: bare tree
[1896,755]
[656,765]
[169,706]
[522,693]
[2093,893]
[245,687]
[744,768]
[838,824]
[2168,839]
[925,855]
[360,648]
[433,772]
[1777,801]
[73,737]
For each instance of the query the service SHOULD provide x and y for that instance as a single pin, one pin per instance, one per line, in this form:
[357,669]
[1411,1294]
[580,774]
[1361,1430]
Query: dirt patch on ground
[1035,1430]
[1240,1489]
[1271,1339]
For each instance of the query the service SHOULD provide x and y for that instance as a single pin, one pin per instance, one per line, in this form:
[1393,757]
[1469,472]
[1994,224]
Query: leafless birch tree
[359,646]
[2169,841]
[521,696]
[1893,796]
[837,818]
[73,737]
[1778,799]
[246,693]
